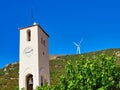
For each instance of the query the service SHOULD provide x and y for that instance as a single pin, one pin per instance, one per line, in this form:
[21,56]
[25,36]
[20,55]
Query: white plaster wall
[28,62]
[32,64]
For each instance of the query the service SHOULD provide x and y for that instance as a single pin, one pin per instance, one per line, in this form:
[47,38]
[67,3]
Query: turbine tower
[78,46]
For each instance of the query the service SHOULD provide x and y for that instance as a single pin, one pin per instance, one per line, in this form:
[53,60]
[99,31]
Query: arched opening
[28,35]
[43,77]
[42,81]
[29,82]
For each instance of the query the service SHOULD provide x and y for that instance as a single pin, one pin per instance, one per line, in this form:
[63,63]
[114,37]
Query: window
[43,53]
[28,35]
[43,41]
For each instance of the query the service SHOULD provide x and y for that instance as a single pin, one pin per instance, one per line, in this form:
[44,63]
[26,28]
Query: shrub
[99,73]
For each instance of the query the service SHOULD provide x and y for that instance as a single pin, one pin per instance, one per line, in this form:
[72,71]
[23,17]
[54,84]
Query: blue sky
[96,21]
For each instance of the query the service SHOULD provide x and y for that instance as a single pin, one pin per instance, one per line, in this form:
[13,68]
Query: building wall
[43,55]
[37,63]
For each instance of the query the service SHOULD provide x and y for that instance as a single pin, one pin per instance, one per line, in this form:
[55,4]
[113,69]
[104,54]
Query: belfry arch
[29,82]
[43,77]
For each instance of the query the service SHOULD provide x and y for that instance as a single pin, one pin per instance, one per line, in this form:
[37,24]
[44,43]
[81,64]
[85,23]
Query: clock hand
[29,51]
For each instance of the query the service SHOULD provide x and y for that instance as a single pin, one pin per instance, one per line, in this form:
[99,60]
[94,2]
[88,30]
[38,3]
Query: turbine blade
[80,41]
[76,44]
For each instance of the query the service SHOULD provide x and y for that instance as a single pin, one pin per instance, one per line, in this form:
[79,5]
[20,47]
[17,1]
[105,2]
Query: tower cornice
[33,26]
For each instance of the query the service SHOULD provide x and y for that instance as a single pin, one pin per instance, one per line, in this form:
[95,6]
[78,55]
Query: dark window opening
[28,35]
[43,53]
[44,42]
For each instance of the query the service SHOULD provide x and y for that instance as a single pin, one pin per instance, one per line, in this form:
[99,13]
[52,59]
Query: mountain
[9,74]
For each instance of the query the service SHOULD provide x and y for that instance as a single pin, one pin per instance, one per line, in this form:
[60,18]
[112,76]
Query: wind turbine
[78,46]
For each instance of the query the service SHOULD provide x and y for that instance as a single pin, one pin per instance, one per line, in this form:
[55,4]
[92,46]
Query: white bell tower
[34,58]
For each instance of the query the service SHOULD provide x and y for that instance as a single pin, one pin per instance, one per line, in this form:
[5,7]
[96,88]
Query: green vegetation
[9,77]
[98,73]
[9,74]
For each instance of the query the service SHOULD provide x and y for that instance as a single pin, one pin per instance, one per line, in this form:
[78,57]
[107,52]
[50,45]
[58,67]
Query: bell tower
[34,58]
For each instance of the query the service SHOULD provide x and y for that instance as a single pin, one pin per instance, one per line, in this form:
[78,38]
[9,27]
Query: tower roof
[35,24]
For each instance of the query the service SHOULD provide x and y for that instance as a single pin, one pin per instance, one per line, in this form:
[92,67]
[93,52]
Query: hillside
[9,74]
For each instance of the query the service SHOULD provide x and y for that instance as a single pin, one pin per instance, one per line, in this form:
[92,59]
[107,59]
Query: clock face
[28,51]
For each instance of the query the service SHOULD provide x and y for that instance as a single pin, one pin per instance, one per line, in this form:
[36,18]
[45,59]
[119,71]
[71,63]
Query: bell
[30,82]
